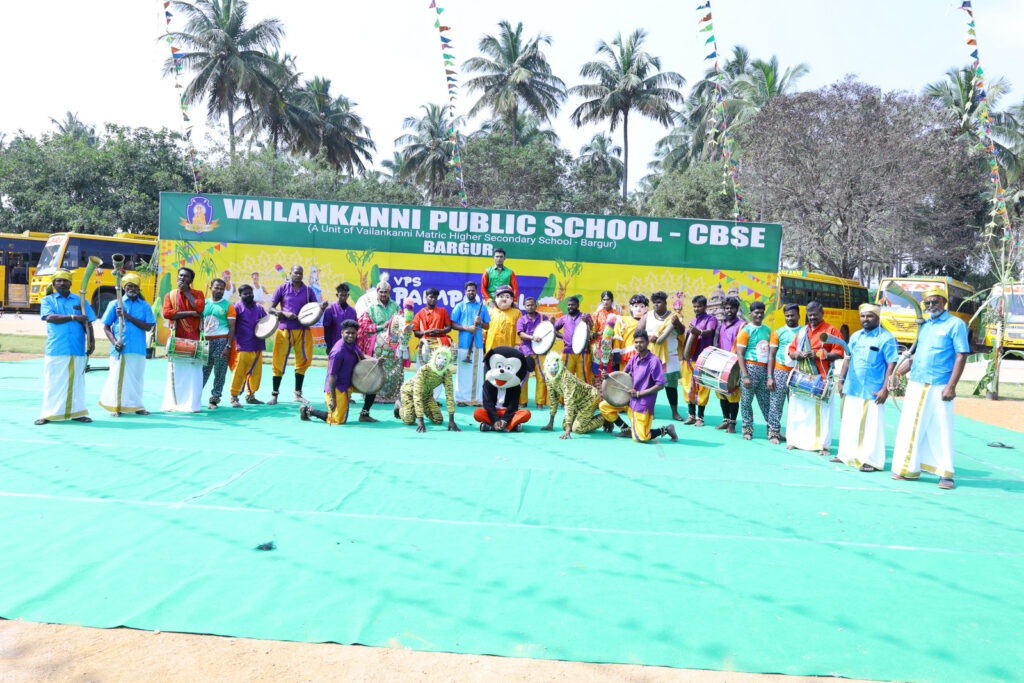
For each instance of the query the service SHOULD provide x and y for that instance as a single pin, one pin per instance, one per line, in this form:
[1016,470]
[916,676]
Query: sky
[103,61]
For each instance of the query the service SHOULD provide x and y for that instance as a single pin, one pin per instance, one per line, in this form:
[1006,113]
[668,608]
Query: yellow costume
[502,331]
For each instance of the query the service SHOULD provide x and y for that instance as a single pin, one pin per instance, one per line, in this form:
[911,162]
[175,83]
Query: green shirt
[785,335]
[755,338]
[215,317]
[497,278]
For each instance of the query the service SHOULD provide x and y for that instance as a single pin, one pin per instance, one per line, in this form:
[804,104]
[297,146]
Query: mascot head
[553,366]
[441,359]
[638,304]
[503,297]
[505,367]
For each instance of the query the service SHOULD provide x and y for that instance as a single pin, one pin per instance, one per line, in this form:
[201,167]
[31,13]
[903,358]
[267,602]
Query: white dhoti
[469,380]
[808,423]
[924,439]
[122,392]
[184,391]
[862,433]
[63,388]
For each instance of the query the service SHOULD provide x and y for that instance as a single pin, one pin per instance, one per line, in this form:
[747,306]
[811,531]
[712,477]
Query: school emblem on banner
[199,216]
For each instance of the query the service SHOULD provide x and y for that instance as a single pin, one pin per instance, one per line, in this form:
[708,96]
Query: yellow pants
[248,372]
[284,340]
[339,415]
[579,364]
[731,398]
[640,422]
[692,392]
[541,392]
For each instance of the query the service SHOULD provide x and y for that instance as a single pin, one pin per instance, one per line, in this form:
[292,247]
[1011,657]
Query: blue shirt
[134,337]
[464,314]
[870,353]
[67,339]
[938,342]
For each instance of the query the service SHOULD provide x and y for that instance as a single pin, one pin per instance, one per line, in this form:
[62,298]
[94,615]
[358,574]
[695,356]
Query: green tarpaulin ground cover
[710,553]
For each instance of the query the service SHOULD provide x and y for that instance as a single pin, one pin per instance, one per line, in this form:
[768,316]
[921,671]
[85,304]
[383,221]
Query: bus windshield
[898,301]
[49,260]
[1015,311]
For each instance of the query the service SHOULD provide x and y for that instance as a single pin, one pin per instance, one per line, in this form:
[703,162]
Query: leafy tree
[694,192]
[515,76]
[604,155]
[395,166]
[628,79]
[278,109]
[592,189]
[428,151]
[528,128]
[228,56]
[73,127]
[755,87]
[340,133]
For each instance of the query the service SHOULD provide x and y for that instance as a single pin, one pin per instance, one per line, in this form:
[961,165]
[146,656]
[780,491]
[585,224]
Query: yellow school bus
[1013,331]
[19,254]
[898,314]
[71,251]
[839,297]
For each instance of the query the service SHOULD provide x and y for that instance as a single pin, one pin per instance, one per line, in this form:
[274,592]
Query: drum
[368,376]
[717,369]
[813,386]
[543,337]
[197,349]
[616,387]
[266,326]
[581,336]
[309,314]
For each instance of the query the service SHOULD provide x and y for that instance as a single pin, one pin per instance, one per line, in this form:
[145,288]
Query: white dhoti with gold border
[924,439]
[469,380]
[862,433]
[184,390]
[808,423]
[63,388]
[122,392]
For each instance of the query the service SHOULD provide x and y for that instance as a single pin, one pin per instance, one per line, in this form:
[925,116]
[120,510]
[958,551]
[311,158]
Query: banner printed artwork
[450,73]
[177,56]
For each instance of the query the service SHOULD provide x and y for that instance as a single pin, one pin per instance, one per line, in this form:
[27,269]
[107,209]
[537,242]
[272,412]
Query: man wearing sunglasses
[924,440]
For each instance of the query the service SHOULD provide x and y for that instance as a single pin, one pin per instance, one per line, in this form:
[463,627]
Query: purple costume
[703,322]
[727,333]
[527,325]
[246,318]
[567,324]
[646,372]
[291,301]
[341,362]
[334,316]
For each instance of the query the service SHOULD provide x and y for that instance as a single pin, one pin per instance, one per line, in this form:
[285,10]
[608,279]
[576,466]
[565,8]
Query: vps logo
[199,216]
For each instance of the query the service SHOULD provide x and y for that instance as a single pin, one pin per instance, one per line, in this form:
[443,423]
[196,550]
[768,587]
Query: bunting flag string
[450,75]
[177,56]
[731,171]
[998,214]
[199,254]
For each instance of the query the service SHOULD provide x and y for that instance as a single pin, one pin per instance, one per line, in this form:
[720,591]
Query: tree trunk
[625,153]
[231,132]
[515,124]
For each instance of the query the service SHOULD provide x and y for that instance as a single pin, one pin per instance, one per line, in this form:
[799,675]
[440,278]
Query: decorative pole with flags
[453,85]
[177,56]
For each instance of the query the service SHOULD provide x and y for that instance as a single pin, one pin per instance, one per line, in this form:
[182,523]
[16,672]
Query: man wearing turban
[67,347]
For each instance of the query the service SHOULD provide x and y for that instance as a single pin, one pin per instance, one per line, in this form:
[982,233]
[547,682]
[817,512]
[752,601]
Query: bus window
[70,260]
[858,296]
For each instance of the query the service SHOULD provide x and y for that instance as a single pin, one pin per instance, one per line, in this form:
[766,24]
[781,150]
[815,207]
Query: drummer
[184,308]
[576,363]
[809,422]
[702,329]
[289,298]
[648,379]
[606,308]
[338,386]
[725,339]
[525,327]
[248,363]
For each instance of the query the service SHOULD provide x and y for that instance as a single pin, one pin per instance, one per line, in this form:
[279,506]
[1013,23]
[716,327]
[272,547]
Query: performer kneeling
[416,397]
[122,392]
[582,401]
[338,387]
[873,355]
[648,380]
[504,374]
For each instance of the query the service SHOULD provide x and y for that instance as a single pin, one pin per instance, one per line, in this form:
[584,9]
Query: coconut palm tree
[528,128]
[278,110]
[628,79]
[74,128]
[229,57]
[763,80]
[341,136]
[602,155]
[515,76]
[396,166]
[428,149]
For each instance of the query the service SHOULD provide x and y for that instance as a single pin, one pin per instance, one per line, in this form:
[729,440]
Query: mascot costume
[504,374]
[581,400]
[625,326]
[416,398]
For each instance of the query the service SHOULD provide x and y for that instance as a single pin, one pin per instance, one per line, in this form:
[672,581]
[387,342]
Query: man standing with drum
[700,334]
[779,367]
[470,317]
[67,351]
[184,306]
[809,423]
[122,392]
[248,370]
[525,328]
[219,323]
[725,339]
[290,298]
[576,354]
[495,277]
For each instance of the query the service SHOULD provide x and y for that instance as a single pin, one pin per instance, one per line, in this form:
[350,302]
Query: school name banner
[443,231]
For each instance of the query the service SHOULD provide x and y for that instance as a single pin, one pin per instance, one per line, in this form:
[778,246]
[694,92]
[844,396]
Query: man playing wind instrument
[64,359]
[122,392]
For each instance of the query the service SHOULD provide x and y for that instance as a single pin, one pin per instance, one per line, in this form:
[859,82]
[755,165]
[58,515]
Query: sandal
[142,412]
[235,403]
[946,483]
[41,421]
[868,468]
[82,419]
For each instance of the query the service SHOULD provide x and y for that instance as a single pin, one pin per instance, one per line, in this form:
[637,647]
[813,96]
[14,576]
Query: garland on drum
[450,73]
[177,56]
[728,143]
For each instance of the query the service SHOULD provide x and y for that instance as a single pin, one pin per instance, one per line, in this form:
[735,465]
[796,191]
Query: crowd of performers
[496,355]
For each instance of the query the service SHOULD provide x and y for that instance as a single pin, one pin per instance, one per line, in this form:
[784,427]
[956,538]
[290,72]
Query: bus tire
[845,331]
[102,297]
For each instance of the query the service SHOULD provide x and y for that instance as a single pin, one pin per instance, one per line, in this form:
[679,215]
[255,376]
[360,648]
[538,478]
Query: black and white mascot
[504,371]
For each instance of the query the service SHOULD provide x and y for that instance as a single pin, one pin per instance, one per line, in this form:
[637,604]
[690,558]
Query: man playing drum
[663,327]
[779,367]
[219,323]
[752,348]
[701,331]
[184,306]
[725,339]
[471,318]
[809,423]
[289,299]
[582,401]
[248,370]
[576,363]
[864,385]
[648,379]
[122,392]
[338,387]
[64,359]
[525,327]
[924,439]
[502,329]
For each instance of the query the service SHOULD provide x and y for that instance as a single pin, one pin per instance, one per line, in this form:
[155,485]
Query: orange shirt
[437,319]
[814,336]
[175,302]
